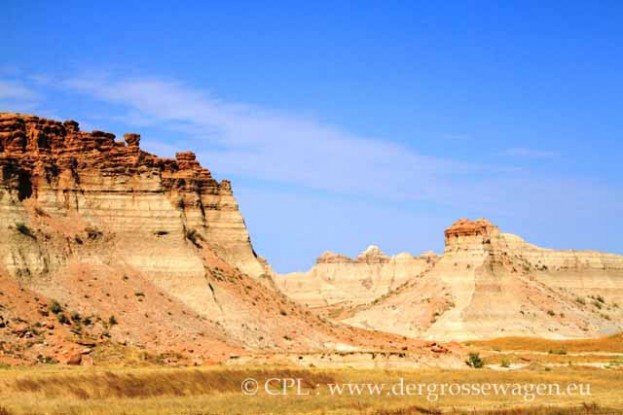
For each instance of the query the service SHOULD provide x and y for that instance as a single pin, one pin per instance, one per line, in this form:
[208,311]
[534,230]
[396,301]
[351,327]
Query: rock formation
[339,281]
[491,284]
[67,171]
[132,251]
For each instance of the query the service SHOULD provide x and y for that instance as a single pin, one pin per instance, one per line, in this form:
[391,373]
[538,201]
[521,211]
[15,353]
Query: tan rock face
[467,231]
[66,171]
[154,251]
[337,280]
[486,284]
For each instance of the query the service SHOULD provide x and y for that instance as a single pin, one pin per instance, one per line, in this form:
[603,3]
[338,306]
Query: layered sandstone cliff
[337,280]
[491,284]
[138,251]
[127,192]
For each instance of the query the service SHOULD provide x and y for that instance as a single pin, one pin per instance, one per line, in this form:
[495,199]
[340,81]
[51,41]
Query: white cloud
[400,194]
[256,143]
[246,140]
[13,90]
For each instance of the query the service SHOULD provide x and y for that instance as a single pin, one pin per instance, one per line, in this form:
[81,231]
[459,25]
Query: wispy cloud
[247,140]
[16,96]
[530,153]
[12,90]
[291,169]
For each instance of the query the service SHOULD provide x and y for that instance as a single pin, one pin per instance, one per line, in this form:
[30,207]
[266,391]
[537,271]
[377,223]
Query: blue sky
[343,125]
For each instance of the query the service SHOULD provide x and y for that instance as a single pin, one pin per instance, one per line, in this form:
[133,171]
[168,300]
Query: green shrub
[193,236]
[25,230]
[62,318]
[76,317]
[55,307]
[475,361]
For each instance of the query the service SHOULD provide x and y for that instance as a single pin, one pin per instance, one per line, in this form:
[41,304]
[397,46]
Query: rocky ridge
[337,281]
[491,284]
[137,255]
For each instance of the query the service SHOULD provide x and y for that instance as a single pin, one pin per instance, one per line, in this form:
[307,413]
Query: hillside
[105,245]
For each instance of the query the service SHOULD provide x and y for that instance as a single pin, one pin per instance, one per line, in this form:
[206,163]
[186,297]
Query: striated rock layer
[339,281]
[133,250]
[490,284]
[135,195]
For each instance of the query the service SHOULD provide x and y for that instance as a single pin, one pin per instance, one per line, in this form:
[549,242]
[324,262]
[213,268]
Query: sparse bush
[62,318]
[475,361]
[600,299]
[93,233]
[40,212]
[25,230]
[551,313]
[76,317]
[580,301]
[193,236]
[506,363]
[112,321]
[55,307]
[558,351]
[48,360]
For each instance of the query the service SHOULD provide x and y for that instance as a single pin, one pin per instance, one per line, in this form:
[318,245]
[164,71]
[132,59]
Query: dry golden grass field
[612,344]
[217,390]
[146,388]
